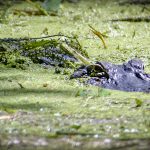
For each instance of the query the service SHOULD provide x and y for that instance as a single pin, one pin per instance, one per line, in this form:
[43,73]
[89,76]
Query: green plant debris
[51,5]
[38,6]
[44,111]
[99,34]
[49,51]
[76,126]
[4,13]
[138,102]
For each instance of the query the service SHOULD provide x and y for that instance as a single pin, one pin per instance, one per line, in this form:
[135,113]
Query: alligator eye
[139,66]
[100,74]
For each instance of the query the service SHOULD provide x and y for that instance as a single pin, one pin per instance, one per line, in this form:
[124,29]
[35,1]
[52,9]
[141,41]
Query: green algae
[55,111]
[48,49]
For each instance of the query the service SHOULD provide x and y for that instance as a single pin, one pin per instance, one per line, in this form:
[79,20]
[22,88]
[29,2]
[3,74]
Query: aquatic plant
[38,6]
[51,5]
[46,50]
[46,6]
[99,34]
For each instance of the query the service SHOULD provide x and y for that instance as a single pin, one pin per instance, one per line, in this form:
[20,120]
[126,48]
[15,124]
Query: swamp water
[44,110]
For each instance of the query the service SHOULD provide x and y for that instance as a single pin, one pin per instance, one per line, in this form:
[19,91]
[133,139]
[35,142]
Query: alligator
[129,76]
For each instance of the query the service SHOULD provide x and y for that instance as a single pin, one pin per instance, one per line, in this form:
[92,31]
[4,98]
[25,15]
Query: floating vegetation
[4,11]
[55,50]
[46,50]
[138,102]
[45,7]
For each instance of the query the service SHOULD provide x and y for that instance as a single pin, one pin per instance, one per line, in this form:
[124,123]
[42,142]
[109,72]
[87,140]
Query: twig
[76,54]
[38,38]
[74,133]
[133,19]
[85,61]
[135,2]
